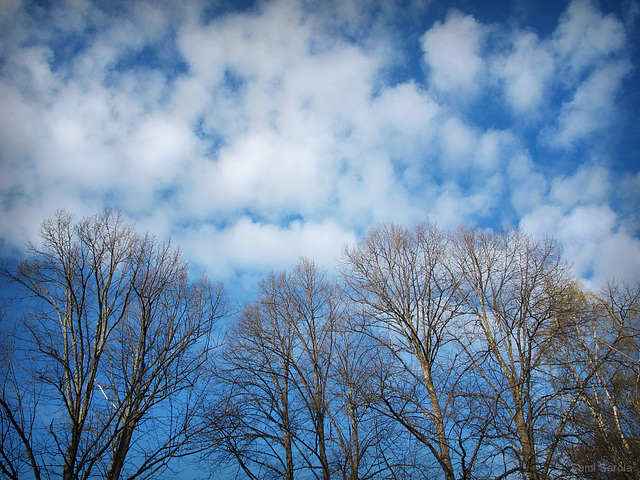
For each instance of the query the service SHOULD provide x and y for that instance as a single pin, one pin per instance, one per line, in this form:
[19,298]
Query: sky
[254,133]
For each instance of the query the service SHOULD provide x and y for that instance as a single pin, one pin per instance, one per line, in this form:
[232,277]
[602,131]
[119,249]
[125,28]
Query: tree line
[456,355]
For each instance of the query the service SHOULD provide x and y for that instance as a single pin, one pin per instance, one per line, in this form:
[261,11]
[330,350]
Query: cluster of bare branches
[455,356]
[102,373]
[463,355]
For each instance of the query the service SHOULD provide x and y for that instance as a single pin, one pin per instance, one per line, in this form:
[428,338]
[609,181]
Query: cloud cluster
[254,136]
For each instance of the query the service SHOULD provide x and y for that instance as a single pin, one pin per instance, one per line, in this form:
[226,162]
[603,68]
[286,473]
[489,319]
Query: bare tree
[601,354]
[514,290]
[410,296]
[294,396]
[117,333]
[157,358]
[367,445]
[314,307]
[80,284]
[254,419]
[18,404]
[290,334]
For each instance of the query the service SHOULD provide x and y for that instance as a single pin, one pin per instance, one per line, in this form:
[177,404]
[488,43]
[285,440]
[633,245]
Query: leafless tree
[277,367]
[158,356]
[294,395]
[403,280]
[254,419]
[117,334]
[18,404]
[514,290]
[367,444]
[601,354]
[313,305]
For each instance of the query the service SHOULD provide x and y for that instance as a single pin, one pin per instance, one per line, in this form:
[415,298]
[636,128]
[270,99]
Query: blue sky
[254,133]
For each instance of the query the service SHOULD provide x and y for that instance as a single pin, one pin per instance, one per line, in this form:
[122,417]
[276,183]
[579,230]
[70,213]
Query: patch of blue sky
[66,47]
[187,223]
[625,139]
[490,112]
[66,43]
[233,80]
[161,56]
[214,10]
[212,140]
[289,218]
[283,216]
[538,15]
[166,193]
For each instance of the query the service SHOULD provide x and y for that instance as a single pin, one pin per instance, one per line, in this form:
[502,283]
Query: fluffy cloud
[528,186]
[526,72]
[596,239]
[452,51]
[247,245]
[592,107]
[595,244]
[589,185]
[253,137]
[589,50]
[458,142]
[585,36]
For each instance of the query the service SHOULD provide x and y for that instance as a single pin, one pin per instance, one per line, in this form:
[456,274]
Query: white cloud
[159,147]
[255,46]
[526,72]
[32,72]
[265,171]
[585,36]
[458,142]
[597,247]
[493,149]
[592,107]
[470,152]
[527,185]
[589,51]
[405,110]
[589,185]
[271,135]
[452,52]
[452,206]
[368,193]
[247,244]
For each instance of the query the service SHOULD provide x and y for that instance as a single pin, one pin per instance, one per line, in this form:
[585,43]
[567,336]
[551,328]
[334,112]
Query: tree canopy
[456,355]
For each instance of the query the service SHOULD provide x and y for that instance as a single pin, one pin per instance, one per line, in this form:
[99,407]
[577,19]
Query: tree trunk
[120,453]
[438,420]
